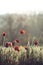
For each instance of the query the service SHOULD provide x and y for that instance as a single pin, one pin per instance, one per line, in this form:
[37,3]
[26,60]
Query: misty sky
[21,6]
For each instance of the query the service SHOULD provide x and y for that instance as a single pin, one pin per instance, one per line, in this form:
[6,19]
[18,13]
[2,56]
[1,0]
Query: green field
[33,55]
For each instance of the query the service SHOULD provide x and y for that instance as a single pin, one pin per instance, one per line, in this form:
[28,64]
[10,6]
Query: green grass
[33,55]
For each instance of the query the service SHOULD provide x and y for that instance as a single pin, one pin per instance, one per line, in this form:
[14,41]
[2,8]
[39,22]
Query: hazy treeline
[13,23]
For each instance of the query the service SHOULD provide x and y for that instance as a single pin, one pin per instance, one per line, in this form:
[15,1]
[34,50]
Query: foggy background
[13,23]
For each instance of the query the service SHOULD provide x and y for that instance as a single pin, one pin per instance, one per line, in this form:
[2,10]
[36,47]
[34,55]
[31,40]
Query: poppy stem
[3,39]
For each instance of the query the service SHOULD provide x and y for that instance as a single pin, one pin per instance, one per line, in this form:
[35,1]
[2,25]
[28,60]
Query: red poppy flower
[26,47]
[4,33]
[36,42]
[18,41]
[17,48]
[22,31]
[8,44]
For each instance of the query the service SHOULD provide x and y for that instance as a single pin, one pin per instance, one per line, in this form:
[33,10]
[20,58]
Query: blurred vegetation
[32,56]
[13,23]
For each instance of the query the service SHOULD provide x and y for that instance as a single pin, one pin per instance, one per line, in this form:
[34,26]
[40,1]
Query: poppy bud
[4,33]
[22,31]
[17,48]
[36,42]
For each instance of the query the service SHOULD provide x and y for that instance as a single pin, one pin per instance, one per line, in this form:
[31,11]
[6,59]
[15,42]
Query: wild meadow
[19,45]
